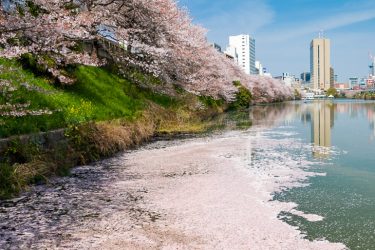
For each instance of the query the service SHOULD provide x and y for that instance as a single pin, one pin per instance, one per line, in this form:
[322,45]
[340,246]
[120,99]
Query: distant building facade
[289,80]
[217,47]
[372,67]
[259,68]
[320,63]
[370,83]
[342,86]
[354,82]
[231,52]
[243,47]
[362,82]
[332,77]
[305,77]
[358,83]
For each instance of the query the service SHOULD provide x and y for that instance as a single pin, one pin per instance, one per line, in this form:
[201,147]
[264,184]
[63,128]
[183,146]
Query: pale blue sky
[283,30]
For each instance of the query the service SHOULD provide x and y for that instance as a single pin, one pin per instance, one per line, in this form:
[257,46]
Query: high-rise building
[231,52]
[259,68]
[372,67]
[244,47]
[332,78]
[305,77]
[320,63]
[216,46]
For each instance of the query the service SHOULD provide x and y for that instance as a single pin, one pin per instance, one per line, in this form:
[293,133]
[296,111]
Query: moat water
[341,136]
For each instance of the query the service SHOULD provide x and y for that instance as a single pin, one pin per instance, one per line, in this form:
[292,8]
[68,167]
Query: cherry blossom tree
[156,36]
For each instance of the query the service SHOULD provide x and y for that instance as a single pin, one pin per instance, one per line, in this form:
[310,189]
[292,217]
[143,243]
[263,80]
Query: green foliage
[34,9]
[8,181]
[13,173]
[297,94]
[30,61]
[237,83]
[241,118]
[78,47]
[18,40]
[243,98]
[80,138]
[19,152]
[140,77]
[20,9]
[332,91]
[179,89]
[162,100]
[111,96]
[79,113]
[71,6]
[97,95]
[342,95]
[365,96]
[208,101]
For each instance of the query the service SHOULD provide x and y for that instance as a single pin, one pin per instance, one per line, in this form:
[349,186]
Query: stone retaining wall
[44,140]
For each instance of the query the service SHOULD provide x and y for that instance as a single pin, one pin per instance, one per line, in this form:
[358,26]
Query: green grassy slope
[30,104]
[101,113]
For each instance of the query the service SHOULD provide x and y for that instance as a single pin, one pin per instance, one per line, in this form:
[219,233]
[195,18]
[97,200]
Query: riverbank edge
[37,157]
[174,184]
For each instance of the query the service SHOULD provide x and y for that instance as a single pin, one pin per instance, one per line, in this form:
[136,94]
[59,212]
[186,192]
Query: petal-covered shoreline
[207,193]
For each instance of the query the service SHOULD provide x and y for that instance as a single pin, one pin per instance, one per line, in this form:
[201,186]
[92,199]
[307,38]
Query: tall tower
[332,77]
[320,63]
[245,47]
[372,66]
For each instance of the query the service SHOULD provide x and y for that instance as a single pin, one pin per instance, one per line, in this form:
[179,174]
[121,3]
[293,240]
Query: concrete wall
[43,140]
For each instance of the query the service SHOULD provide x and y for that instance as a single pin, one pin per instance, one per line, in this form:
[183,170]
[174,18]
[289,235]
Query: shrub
[243,97]
[8,181]
[332,91]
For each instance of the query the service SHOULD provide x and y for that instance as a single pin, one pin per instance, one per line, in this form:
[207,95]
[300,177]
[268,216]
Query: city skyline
[283,30]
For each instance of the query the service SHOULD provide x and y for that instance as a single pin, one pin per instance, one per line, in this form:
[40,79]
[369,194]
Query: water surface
[341,135]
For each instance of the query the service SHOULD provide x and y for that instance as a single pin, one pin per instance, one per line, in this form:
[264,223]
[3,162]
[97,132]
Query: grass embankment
[98,95]
[101,113]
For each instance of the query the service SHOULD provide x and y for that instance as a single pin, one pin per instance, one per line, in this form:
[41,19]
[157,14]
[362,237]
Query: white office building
[290,80]
[243,46]
[259,68]
[232,52]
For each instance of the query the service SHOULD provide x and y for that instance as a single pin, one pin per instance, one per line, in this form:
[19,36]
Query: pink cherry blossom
[155,36]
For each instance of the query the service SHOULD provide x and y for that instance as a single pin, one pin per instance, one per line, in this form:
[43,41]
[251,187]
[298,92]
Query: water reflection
[345,196]
[320,116]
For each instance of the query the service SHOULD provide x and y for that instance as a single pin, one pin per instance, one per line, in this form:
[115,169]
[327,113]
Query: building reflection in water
[322,122]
